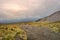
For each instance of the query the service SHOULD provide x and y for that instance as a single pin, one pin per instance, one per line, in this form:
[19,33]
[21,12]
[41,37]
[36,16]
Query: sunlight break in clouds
[23,9]
[13,7]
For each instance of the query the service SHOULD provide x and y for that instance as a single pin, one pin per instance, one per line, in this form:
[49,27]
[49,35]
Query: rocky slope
[52,18]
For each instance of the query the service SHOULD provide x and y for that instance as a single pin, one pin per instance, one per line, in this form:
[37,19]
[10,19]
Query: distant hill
[52,18]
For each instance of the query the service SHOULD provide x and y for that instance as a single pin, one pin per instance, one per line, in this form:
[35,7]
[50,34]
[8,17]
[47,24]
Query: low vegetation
[54,26]
[14,32]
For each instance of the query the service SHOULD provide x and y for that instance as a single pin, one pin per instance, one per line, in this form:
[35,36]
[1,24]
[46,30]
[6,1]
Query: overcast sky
[22,9]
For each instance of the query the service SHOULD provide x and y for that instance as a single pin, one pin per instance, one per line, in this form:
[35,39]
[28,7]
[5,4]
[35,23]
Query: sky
[25,9]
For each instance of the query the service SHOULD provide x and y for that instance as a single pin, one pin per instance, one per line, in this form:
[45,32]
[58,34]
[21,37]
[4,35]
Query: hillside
[52,18]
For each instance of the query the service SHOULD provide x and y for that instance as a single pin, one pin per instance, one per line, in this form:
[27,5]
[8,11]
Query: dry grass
[9,31]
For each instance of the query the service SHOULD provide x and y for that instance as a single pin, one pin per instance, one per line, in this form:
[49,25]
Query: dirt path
[40,33]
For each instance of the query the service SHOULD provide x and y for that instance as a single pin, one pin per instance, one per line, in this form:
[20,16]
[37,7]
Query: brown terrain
[52,18]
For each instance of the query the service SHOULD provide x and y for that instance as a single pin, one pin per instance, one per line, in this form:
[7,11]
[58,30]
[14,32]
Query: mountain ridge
[52,18]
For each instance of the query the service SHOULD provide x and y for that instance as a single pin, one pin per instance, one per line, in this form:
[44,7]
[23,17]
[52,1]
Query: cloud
[28,8]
